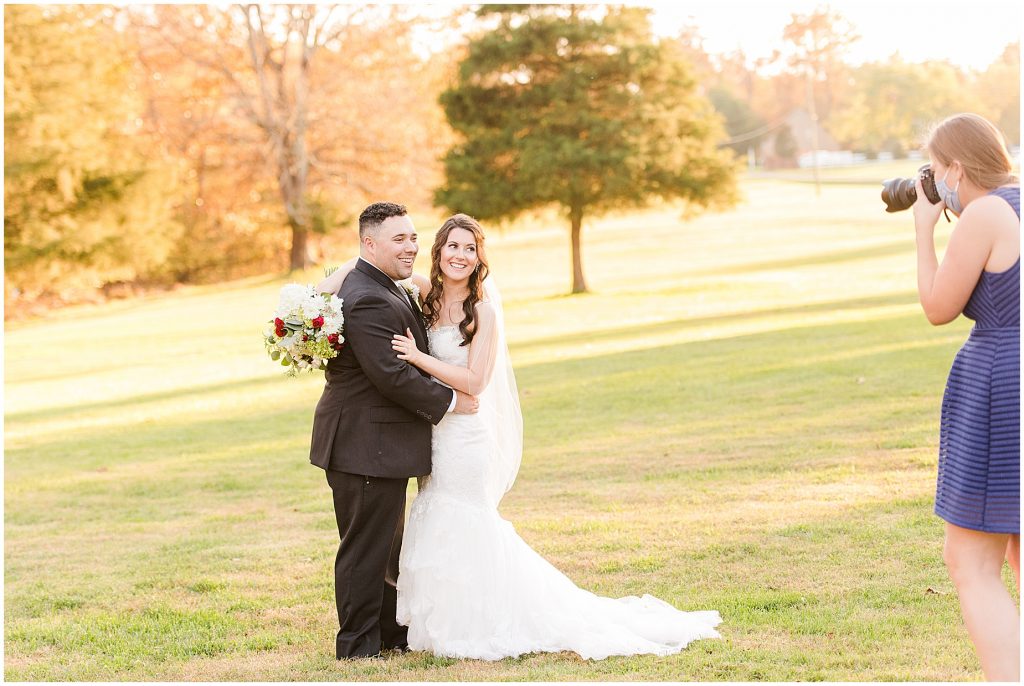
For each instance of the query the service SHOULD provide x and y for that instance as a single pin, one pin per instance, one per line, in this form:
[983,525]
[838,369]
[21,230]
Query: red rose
[281,332]
[332,338]
[305,337]
[338,346]
[318,322]
[278,323]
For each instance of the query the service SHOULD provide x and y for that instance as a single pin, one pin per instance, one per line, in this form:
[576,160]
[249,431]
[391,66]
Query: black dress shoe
[399,649]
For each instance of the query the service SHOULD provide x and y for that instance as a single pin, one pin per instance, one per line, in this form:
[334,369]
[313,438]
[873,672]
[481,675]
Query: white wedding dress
[470,587]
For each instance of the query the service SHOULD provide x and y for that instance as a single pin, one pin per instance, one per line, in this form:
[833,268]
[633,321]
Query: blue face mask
[949,195]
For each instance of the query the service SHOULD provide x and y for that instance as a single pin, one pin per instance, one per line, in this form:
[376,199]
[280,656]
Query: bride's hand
[406,348]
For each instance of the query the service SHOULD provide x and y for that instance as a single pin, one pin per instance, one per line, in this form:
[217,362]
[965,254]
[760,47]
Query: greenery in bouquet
[306,330]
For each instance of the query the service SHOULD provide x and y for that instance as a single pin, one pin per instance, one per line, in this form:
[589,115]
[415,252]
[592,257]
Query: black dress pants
[371,517]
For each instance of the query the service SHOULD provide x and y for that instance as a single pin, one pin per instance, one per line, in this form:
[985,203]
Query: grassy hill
[742,416]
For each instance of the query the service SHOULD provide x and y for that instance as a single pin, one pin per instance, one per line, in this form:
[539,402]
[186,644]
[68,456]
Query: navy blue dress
[979,442]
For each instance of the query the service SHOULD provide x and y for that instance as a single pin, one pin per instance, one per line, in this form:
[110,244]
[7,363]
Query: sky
[970,33]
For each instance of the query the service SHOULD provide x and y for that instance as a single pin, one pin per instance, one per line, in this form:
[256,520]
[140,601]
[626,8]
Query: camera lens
[898,194]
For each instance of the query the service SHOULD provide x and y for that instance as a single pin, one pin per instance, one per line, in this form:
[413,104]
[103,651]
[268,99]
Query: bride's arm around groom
[474,377]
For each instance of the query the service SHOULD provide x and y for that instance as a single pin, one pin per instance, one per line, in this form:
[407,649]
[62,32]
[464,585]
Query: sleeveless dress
[979,441]
[470,587]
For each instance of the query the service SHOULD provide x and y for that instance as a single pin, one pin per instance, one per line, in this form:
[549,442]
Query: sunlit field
[741,416]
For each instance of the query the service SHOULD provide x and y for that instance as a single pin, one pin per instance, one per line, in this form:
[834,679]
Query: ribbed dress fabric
[978,484]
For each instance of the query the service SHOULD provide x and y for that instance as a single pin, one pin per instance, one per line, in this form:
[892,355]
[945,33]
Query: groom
[371,431]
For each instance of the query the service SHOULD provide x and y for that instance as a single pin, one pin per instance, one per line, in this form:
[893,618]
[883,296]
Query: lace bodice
[446,345]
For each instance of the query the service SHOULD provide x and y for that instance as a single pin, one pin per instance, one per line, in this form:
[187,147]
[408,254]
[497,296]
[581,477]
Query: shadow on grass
[160,446]
[96,370]
[787,581]
[595,336]
[118,307]
[792,395]
[135,400]
[683,324]
[740,390]
[810,261]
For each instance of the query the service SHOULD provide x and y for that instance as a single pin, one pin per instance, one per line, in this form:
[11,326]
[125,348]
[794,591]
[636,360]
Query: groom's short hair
[374,215]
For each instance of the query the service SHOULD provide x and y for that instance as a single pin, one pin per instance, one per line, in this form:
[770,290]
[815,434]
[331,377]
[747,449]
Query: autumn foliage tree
[84,202]
[290,115]
[996,92]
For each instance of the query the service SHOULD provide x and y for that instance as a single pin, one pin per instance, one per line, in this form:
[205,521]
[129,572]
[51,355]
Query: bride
[468,585]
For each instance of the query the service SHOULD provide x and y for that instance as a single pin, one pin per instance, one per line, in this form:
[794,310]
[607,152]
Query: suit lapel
[378,276]
[408,301]
[382,278]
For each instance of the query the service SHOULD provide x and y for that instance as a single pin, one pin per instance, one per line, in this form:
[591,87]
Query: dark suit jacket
[376,411]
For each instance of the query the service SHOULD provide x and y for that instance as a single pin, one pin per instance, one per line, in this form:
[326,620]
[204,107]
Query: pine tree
[558,105]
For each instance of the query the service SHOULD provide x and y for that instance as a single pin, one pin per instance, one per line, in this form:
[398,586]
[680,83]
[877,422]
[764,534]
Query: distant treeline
[166,144]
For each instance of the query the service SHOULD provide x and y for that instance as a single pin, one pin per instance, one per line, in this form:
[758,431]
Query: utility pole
[813,111]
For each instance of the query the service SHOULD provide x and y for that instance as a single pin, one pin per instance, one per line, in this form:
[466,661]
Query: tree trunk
[300,251]
[292,190]
[579,285]
[281,112]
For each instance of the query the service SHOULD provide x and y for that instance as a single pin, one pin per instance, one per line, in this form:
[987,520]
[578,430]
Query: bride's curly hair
[432,303]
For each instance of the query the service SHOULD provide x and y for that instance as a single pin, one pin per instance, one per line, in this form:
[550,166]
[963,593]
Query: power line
[756,133]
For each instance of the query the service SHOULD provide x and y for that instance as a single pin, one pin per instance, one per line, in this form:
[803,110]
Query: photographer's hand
[926,215]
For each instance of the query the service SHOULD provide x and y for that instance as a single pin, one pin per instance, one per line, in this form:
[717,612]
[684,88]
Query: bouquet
[306,329]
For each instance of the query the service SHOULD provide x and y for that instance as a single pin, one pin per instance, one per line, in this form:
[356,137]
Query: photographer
[978,489]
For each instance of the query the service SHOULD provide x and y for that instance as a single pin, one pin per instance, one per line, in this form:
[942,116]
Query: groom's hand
[465,404]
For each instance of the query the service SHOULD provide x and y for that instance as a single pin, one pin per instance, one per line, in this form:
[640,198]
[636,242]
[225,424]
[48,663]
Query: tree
[893,103]
[330,100]
[557,106]
[997,93]
[818,40]
[227,203]
[745,127]
[84,204]
[265,67]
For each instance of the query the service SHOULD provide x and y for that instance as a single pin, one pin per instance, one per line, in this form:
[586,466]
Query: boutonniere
[414,293]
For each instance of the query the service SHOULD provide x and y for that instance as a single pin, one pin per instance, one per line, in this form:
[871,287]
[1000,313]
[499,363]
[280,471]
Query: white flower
[333,323]
[291,298]
[413,290]
[303,303]
[312,306]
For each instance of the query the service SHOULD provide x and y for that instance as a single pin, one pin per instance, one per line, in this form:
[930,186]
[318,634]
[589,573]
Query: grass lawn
[742,416]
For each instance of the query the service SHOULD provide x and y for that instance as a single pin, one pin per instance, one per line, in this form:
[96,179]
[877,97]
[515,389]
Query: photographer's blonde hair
[975,143]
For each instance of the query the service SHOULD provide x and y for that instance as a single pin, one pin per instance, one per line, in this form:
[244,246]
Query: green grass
[742,416]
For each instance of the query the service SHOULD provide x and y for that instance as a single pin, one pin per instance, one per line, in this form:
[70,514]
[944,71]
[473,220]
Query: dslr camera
[899,194]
